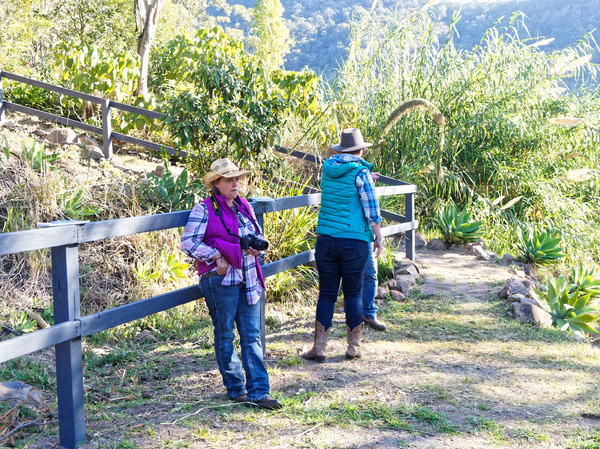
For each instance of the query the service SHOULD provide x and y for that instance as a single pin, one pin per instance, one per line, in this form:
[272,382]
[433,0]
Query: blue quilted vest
[341,214]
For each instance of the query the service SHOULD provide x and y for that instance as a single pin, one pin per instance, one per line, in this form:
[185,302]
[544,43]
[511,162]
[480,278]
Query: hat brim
[341,149]
[211,177]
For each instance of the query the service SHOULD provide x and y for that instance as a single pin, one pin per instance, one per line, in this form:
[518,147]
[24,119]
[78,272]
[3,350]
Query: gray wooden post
[1,100]
[409,215]
[69,369]
[263,300]
[106,129]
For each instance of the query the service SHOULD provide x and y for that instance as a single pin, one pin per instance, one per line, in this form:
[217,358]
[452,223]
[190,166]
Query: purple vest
[216,236]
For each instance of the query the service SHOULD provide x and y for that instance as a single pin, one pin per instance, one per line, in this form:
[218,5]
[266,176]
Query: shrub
[457,227]
[584,280]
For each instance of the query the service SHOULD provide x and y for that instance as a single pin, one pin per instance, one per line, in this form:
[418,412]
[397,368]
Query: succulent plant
[538,247]
[584,279]
[457,227]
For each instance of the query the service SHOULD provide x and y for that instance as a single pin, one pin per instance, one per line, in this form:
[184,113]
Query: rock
[86,141]
[517,297]
[420,241]
[406,278]
[436,245]
[145,335]
[16,393]
[479,252]
[94,153]
[40,133]
[399,285]
[530,313]
[411,269]
[396,295]
[159,171]
[507,259]
[529,270]
[382,292]
[9,124]
[480,243]
[61,136]
[512,287]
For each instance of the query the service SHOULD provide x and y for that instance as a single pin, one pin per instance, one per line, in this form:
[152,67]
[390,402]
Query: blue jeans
[226,305]
[340,259]
[370,285]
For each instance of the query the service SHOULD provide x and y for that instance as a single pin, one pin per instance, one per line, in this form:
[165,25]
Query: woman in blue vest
[222,234]
[349,220]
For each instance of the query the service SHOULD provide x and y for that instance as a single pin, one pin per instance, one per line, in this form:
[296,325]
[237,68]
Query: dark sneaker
[267,403]
[374,323]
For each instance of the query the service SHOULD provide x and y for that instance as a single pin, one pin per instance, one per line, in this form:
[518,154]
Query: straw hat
[351,140]
[222,168]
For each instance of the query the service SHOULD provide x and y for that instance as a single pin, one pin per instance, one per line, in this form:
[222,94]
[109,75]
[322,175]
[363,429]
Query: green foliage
[36,156]
[457,227]
[223,100]
[584,279]
[270,36]
[72,203]
[569,310]
[168,268]
[386,264]
[88,69]
[175,193]
[21,322]
[5,149]
[538,247]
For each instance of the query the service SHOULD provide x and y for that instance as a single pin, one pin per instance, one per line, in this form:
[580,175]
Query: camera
[254,242]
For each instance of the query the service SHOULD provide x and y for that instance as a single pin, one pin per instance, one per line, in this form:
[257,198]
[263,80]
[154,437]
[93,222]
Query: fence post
[409,215]
[1,99]
[69,369]
[106,129]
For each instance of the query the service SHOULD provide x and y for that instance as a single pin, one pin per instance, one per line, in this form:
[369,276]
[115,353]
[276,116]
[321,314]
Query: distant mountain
[321,28]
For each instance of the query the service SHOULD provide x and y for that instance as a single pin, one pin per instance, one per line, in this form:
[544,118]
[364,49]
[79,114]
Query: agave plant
[584,279]
[456,227]
[538,247]
[568,310]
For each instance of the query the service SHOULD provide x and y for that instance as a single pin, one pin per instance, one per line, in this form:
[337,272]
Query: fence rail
[105,130]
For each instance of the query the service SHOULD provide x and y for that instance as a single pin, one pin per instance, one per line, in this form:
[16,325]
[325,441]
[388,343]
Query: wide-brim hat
[222,168]
[351,140]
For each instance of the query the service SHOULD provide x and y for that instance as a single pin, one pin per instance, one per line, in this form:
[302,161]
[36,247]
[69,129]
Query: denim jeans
[370,285]
[226,305]
[340,259]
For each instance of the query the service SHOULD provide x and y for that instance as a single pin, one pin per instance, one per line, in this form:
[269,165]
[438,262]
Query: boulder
[420,241]
[61,136]
[94,153]
[436,245]
[159,171]
[9,124]
[16,393]
[410,269]
[395,295]
[530,313]
[406,278]
[86,141]
[513,286]
[507,259]
[517,297]
[382,292]
[402,286]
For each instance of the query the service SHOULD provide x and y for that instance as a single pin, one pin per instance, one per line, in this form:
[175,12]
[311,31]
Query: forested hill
[320,28]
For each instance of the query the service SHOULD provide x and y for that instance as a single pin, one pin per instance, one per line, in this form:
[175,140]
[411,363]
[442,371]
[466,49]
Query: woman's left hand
[253,252]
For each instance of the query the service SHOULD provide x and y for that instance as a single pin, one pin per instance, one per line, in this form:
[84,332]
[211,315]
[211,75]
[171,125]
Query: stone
[479,252]
[86,141]
[94,153]
[382,292]
[406,278]
[507,259]
[396,295]
[16,393]
[420,241]
[9,124]
[61,136]
[410,269]
[146,335]
[512,287]
[399,285]
[436,245]
[517,297]
[40,133]
[480,243]
[529,313]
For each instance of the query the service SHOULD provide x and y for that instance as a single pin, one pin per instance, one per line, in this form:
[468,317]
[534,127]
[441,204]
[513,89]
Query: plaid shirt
[366,189]
[193,246]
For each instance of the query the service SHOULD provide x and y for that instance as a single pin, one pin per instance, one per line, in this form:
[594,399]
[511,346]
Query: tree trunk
[146,16]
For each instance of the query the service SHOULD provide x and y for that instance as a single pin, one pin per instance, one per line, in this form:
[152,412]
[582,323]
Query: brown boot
[354,337]
[319,349]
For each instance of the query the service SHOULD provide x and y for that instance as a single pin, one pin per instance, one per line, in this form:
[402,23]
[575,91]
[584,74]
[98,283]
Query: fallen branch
[21,426]
[309,430]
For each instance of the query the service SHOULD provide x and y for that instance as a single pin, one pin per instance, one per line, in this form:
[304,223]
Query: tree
[271,37]
[146,17]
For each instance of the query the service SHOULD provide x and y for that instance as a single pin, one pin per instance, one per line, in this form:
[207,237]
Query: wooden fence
[69,326]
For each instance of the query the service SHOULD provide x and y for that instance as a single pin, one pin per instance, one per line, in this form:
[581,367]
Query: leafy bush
[37,157]
[175,193]
[584,280]
[538,247]
[457,227]
[568,309]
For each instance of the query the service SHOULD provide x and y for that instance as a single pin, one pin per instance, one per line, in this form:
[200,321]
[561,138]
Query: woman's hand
[377,248]
[253,252]
[222,266]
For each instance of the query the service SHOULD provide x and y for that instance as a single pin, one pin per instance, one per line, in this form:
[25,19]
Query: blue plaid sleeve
[193,233]
[368,198]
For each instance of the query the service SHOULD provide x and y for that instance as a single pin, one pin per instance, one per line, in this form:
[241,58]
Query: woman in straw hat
[348,221]
[217,236]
